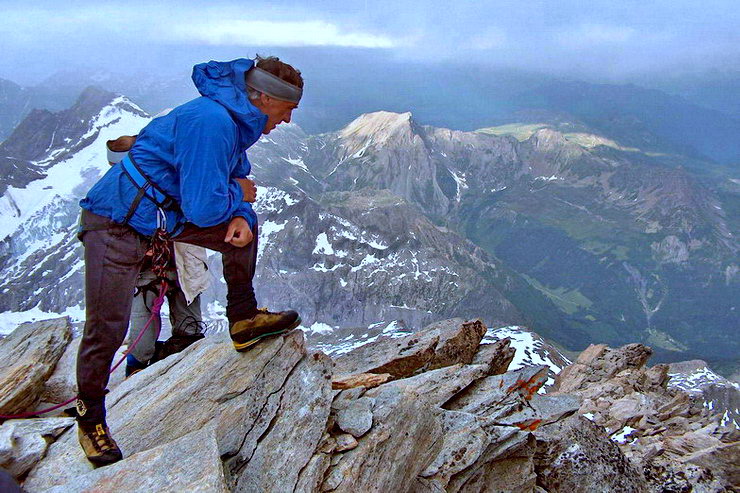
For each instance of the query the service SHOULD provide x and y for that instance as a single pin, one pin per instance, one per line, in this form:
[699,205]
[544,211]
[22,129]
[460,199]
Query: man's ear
[265,99]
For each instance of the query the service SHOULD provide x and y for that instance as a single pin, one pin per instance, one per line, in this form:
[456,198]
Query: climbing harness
[146,188]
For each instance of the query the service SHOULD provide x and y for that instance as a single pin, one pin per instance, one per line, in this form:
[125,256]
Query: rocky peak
[553,145]
[378,129]
[43,137]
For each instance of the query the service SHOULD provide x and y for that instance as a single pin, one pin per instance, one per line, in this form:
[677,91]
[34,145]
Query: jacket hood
[224,83]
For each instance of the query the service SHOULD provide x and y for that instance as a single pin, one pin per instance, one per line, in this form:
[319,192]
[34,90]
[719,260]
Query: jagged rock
[190,463]
[458,341]
[273,423]
[440,385]
[598,363]
[367,380]
[354,416]
[296,425]
[497,356]
[23,442]
[400,357]
[542,410]
[504,466]
[27,358]
[722,459]
[575,455]
[499,395]
[345,442]
[718,393]
[62,383]
[464,441]
[438,345]
[252,398]
[628,409]
[657,427]
[663,475]
[402,441]
[478,456]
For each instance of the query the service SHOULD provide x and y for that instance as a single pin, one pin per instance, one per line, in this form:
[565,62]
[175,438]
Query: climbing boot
[264,323]
[174,345]
[99,446]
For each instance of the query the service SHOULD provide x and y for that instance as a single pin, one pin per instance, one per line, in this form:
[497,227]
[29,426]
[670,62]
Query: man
[187,277]
[185,174]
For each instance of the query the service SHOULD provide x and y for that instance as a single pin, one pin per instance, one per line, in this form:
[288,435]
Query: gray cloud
[601,39]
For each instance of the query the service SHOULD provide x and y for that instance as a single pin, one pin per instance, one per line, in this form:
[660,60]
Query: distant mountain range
[573,232]
[450,96]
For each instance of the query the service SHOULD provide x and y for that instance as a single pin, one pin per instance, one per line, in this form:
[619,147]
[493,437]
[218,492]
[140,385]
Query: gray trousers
[114,254]
[184,318]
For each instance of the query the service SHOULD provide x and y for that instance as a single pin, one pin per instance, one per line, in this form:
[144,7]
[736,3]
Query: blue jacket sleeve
[203,149]
[245,208]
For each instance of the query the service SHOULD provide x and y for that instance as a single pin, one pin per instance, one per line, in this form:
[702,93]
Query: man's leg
[247,324]
[113,256]
[186,320]
[141,312]
[187,323]
[238,265]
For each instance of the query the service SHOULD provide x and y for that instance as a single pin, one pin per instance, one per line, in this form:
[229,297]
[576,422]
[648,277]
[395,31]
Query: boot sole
[241,347]
[101,462]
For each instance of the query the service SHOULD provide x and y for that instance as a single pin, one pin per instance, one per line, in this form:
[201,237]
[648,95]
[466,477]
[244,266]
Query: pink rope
[156,307]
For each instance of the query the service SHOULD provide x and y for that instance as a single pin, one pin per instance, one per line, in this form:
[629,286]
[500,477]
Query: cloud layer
[602,38]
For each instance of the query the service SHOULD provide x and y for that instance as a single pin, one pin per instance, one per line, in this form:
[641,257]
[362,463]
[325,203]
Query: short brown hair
[280,69]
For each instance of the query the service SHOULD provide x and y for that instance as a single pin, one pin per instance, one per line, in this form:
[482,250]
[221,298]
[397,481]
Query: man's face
[277,111]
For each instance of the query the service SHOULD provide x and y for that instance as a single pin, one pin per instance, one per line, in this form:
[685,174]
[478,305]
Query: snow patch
[622,436]
[322,245]
[9,321]
[318,328]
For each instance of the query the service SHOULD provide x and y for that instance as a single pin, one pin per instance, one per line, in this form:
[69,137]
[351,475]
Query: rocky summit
[435,410]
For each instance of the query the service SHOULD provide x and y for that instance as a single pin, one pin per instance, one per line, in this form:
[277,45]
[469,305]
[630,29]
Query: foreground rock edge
[333,451]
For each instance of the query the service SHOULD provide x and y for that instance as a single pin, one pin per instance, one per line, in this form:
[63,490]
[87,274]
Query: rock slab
[27,358]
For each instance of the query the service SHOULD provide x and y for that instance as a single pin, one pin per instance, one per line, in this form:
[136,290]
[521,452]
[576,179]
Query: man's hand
[238,233]
[249,189]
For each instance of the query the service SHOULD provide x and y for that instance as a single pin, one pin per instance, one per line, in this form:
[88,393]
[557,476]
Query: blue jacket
[194,154]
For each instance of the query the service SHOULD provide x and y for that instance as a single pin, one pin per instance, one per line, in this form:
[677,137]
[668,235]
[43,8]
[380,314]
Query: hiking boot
[99,446]
[264,323]
[174,345]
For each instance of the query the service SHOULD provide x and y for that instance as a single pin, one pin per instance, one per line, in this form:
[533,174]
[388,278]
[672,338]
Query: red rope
[156,307]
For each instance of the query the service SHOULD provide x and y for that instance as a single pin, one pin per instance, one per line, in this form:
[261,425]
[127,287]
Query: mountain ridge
[503,202]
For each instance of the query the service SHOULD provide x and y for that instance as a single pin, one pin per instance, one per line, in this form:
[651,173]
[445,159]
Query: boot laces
[102,440]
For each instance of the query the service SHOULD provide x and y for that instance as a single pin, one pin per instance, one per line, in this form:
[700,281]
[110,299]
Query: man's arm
[209,196]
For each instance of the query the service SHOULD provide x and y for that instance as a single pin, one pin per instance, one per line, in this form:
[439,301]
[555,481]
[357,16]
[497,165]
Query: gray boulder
[575,455]
[190,463]
[23,442]
[400,357]
[27,358]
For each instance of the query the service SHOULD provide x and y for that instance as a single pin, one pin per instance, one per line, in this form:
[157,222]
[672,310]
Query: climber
[187,277]
[186,175]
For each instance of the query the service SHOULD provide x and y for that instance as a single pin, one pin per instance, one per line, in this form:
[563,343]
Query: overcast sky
[607,40]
